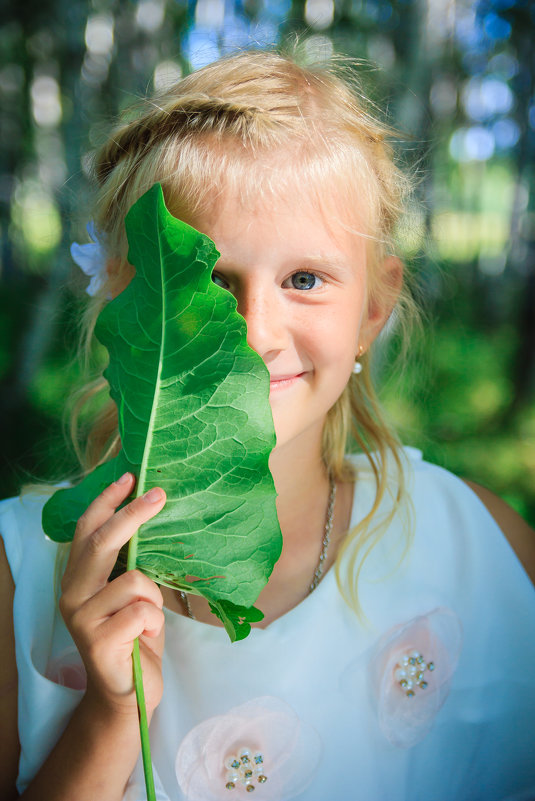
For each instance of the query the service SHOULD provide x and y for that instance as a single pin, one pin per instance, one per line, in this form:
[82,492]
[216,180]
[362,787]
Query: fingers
[104,617]
[103,507]
[107,649]
[119,631]
[101,533]
[134,620]
[127,589]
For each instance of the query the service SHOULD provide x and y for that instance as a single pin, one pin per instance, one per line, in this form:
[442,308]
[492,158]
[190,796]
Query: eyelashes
[220,281]
[302,280]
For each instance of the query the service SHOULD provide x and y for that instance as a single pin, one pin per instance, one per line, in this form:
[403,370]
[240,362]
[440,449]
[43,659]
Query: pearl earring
[357,367]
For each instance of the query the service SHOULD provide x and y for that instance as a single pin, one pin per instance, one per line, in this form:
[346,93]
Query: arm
[92,760]
[96,754]
[9,741]
[520,535]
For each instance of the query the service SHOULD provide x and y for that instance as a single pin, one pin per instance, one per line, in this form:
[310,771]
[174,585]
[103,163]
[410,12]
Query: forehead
[323,200]
[281,234]
[330,178]
[227,188]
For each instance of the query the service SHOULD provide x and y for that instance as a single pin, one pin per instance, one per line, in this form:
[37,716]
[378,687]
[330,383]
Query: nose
[264,313]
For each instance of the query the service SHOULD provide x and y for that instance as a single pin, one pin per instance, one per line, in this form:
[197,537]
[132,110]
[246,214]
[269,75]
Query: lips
[281,381]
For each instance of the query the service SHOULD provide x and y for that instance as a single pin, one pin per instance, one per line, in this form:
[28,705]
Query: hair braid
[188,114]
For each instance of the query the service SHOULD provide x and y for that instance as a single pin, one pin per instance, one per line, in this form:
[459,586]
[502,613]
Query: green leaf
[194,418]
[236,618]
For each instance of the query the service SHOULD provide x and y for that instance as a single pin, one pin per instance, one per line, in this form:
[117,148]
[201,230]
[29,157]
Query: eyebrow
[311,262]
[318,262]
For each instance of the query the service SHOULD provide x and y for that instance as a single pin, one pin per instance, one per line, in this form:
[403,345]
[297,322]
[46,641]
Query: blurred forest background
[456,77]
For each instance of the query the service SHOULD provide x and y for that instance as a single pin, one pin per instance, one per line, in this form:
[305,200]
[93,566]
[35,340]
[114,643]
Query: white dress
[317,692]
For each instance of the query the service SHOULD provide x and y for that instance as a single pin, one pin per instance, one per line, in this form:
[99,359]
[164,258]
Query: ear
[119,274]
[382,300]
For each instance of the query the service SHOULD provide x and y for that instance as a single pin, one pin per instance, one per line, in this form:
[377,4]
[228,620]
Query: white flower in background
[91,259]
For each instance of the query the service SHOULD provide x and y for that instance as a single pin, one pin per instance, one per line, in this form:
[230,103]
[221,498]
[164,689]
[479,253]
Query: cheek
[336,334]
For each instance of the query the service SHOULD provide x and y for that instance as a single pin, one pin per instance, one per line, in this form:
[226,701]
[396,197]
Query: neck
[302,484]
[303,488]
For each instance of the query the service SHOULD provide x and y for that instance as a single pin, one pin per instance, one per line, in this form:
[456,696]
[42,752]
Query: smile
[283,381]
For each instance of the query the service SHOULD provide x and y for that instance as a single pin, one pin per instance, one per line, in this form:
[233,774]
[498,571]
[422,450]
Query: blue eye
[304,280]
[219,281]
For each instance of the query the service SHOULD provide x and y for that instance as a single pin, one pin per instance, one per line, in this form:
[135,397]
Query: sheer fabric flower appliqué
[67,670]
[410,674]
[260,748]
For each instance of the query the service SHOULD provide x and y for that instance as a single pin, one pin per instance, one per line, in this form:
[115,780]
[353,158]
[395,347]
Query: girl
[407,671]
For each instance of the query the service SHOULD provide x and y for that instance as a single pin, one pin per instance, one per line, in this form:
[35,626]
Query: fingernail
[124,478]
[154,495]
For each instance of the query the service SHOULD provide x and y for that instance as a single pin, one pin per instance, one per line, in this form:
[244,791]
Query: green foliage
[456,401]
[194,418]
[479,211]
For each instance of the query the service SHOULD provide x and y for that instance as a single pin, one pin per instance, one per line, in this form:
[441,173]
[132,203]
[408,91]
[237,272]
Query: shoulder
[458,528]
[32,636]
[520,535]
[470,508]
[12,547]
[26,546]
[23,509]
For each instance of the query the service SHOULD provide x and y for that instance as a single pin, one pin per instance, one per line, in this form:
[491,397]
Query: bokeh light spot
[165,75]
[319,13]
[210,14]
[150,15]
[99,34]
[506,133]
[496,27]
[46,102]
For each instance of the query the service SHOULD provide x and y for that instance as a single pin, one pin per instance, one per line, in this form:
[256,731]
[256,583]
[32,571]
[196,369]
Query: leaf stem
[143,724]
[140,694]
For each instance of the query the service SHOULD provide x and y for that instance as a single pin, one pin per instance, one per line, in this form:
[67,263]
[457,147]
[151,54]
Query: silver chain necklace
[318,573]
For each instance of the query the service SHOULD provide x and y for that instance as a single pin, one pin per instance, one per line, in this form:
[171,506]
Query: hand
[104,618]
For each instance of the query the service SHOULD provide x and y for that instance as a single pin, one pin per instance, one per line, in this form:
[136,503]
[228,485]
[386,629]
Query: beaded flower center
[245,769]
[410,672]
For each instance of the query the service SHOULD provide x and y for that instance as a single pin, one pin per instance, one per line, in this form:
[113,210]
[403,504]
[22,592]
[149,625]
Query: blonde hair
[254,125]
